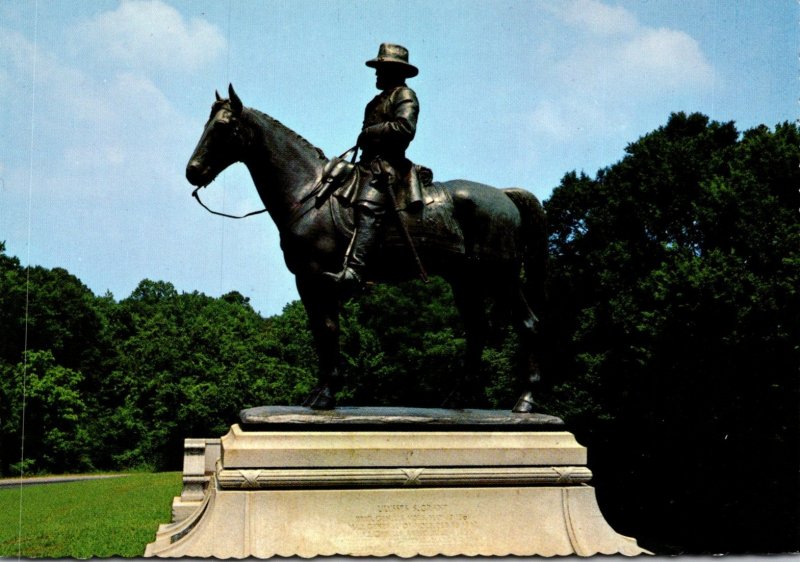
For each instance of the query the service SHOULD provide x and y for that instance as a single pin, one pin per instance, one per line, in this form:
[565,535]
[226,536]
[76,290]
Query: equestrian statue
[383,219]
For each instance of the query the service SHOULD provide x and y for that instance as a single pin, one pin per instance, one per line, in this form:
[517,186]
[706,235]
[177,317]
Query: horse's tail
[535,257]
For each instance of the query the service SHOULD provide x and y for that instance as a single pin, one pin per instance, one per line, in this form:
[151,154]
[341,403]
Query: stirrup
[347,279]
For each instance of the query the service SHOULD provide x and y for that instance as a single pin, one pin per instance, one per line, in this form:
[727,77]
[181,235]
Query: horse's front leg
[322,306]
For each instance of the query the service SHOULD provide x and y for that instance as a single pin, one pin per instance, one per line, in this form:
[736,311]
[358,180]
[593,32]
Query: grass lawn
[112,517]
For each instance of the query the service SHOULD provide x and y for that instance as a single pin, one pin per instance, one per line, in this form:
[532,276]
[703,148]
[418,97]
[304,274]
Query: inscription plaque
[427,524]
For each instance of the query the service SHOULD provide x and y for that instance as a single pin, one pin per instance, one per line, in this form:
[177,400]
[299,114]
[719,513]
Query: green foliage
[51,310]
[53,414]
[674,312]
[192,362]
[134,378]
[402,344]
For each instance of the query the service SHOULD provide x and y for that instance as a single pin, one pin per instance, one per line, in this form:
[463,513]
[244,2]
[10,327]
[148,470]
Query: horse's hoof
[320,399]
[310,398]
[454,401]
[525,404]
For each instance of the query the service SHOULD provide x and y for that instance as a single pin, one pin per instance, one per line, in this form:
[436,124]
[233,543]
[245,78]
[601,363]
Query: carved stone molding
[270,479]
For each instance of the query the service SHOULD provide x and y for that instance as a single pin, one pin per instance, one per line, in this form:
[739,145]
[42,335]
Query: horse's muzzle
[195,173]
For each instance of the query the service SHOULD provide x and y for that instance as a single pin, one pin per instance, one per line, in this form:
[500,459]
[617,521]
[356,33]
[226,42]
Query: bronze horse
[500,233]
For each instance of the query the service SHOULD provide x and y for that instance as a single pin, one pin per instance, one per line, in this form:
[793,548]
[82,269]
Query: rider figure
[390,122]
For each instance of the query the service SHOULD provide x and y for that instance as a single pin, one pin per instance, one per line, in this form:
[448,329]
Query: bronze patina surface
[394,418]
[477,237]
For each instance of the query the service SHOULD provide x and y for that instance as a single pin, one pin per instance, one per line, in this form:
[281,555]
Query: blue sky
[103,102]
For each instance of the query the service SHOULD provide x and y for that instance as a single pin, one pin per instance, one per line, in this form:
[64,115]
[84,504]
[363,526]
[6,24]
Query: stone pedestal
[378,482]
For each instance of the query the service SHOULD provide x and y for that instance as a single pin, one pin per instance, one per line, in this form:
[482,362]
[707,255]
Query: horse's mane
[296,135]
[220,102]
[289,132]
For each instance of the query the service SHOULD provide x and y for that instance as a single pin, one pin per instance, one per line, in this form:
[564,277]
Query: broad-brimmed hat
[395,56]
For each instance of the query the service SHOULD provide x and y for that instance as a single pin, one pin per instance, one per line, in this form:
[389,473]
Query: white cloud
[572,116]
[96,127]
[594,17]
[548,118]
[151,35]
[614,51]
[610,66]
[106,143]
[129,121]
[99,120]
[670,57]
[646,65]
[84,122]
[20,57]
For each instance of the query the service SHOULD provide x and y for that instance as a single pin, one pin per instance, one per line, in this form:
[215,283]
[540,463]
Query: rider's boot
[365,239]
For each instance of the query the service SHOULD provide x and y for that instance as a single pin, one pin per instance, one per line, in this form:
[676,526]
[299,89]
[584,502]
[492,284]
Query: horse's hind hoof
[525,404]
[453,401]
[320,399]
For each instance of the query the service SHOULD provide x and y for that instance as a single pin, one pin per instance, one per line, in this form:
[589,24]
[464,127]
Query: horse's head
[221,143]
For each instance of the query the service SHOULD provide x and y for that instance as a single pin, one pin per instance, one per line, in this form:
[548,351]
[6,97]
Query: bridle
[300,209]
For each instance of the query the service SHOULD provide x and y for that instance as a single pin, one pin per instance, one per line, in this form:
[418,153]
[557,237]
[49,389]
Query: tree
[188,363]
[674,296]
[44,398]
[402,344]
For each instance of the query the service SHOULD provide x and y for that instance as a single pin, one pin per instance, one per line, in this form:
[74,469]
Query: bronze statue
[477,237]
[390,122]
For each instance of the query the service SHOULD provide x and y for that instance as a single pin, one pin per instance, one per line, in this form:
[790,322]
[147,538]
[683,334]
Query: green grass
[113,517]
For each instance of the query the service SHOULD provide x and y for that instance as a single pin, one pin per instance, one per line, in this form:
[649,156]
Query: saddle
[430,221]
[344,178]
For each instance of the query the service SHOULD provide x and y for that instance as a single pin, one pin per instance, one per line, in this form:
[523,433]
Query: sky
[104,101]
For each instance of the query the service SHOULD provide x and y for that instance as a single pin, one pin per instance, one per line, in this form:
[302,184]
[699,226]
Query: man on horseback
[497,232]
[390,122]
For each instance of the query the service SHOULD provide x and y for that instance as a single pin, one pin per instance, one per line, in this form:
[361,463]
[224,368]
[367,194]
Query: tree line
[669,345]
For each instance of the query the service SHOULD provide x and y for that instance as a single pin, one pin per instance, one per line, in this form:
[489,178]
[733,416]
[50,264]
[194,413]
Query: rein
[300,204]
[250,214]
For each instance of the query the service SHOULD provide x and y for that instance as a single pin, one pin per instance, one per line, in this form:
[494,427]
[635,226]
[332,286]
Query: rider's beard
[385,80]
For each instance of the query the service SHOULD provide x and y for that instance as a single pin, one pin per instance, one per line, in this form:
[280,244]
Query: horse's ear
[236,103]
[216,93]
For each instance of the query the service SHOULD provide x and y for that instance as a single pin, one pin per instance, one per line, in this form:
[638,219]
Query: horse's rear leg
[525,322]
[322,306]
[471,303]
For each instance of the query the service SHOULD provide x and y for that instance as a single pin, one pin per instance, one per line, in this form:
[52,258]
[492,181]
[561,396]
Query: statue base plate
[459,488]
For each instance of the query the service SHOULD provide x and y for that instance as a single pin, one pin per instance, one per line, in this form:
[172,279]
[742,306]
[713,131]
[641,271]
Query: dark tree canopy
[674,308]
